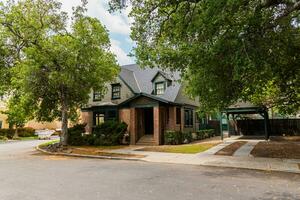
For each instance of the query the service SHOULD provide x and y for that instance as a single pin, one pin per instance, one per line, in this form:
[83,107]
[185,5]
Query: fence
[279,127]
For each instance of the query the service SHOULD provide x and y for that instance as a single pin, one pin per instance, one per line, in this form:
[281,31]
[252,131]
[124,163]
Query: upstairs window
[160,88]
[115,91]
[188,117]
[97,96]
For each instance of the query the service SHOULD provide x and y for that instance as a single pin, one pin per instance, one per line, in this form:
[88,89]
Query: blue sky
[118,25]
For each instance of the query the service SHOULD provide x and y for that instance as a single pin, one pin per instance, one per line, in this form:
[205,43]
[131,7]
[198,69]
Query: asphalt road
[28,175]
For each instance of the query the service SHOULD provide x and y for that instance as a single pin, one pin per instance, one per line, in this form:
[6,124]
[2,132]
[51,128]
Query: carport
[263,111]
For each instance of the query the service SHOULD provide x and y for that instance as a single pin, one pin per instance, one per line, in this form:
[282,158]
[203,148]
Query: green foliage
[18,111]
[187,137]
[76,135]
[203,134]
[173,137]
[107,134]
[227,50]
[57,66]
[22,132]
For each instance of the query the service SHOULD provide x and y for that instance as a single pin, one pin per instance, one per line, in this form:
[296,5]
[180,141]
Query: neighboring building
[33,124]
[150,101]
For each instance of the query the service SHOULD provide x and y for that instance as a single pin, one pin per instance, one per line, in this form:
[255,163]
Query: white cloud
[116,23]
[122,57]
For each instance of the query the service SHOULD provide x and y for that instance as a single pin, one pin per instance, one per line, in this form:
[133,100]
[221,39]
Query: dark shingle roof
[140,81]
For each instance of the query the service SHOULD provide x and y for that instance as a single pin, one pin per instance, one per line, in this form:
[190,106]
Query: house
[150,101]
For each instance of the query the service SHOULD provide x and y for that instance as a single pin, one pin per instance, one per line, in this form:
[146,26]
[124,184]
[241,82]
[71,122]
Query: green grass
[28,138]
[48,143]
[188,149]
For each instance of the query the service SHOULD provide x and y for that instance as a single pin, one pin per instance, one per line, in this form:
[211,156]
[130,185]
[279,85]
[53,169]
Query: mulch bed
[289,150]
[230,149]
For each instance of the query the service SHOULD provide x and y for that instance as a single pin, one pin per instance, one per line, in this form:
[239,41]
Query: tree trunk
[16,135]
[64,118]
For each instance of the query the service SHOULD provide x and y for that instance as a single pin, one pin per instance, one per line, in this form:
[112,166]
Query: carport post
[221,128]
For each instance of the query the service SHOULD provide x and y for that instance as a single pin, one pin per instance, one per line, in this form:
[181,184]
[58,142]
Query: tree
[58,64]
[18,112]
[227,50]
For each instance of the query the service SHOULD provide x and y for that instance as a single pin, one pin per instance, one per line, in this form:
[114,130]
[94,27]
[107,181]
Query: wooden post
[221,128]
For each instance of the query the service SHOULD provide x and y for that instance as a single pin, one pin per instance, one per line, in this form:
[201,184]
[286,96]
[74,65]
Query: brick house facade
[149,101]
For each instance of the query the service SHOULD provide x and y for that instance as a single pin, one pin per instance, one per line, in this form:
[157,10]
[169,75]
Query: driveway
[28,175]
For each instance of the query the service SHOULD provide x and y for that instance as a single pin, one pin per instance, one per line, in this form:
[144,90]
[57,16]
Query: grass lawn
[188,149]
[48,143]
[28,138]
[289,150]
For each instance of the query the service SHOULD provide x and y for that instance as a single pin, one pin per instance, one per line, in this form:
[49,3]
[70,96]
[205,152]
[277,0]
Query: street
[26,174]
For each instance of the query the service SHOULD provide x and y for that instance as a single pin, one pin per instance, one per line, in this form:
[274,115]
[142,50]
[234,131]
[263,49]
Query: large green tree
[227,50]
[59,63]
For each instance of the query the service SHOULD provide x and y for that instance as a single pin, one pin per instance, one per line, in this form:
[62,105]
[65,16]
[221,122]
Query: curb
[87,156]
[142,159]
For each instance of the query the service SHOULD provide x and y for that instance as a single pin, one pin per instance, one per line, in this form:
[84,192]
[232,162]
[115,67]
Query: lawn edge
[85,156]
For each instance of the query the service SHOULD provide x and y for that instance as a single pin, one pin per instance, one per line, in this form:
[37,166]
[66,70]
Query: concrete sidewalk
[241,159]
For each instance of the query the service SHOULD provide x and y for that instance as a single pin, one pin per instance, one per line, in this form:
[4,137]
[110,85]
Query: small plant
[173,137]
[187,137]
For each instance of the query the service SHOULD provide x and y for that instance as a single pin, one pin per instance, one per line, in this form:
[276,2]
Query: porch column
[157,125]
[133,126]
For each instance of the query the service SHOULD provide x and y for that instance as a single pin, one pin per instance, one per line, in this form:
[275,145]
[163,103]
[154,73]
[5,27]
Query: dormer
[160,82]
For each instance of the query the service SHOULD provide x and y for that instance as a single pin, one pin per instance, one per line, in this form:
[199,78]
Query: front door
[148,117]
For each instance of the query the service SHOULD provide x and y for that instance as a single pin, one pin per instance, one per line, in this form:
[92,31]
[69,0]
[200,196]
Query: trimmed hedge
[107,134]
[22,132]
[177,137]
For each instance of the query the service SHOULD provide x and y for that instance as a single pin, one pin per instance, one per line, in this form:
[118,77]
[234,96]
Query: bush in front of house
[109,133]
[187,137]
[76,135]
[173,137]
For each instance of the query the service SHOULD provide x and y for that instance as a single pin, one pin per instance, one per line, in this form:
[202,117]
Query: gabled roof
[139,80]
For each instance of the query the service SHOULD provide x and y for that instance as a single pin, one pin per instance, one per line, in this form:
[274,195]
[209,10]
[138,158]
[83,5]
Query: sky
[118,25]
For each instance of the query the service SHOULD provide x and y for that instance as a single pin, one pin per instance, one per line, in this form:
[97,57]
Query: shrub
[187,137]
[173,137]
[202,134]
[76,136]
[26,132]
[9,133]
[22,132]
[109,133]
[4,138]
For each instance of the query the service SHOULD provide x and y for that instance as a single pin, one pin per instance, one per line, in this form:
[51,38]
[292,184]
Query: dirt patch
[230,149]
[289,150]
[99,152]
[285,138]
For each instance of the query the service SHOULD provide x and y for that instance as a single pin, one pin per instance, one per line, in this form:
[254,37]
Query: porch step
[146,140]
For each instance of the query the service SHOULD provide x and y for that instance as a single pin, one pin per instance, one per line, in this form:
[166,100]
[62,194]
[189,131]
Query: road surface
[26,174]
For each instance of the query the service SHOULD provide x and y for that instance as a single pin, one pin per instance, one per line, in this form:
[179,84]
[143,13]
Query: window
[188,117]
[97,96]
[115,91]
[99,119]
[159,88]
[178,115]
